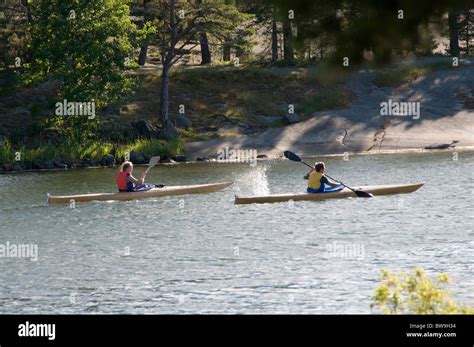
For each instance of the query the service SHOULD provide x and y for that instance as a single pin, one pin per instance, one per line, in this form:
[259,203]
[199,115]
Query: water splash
[254,181]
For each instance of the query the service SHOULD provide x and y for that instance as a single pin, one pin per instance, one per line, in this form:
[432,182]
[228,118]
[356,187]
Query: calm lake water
[202,254]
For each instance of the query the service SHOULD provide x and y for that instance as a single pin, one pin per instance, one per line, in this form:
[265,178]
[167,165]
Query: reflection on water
[201,253]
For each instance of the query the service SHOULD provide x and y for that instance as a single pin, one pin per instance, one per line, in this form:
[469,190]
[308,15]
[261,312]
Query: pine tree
[466,30]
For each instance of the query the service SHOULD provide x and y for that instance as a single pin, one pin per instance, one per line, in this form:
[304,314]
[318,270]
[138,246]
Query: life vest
[316,181]
[122,183]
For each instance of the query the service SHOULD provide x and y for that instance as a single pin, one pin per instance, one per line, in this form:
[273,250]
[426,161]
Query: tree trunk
[321,47]
[143,54]
[205,52]
[144,48]
[288,53]
[26,5]
[168,130]
[274,41]
[226,52]
[468,34]
[164,102]
[453,34]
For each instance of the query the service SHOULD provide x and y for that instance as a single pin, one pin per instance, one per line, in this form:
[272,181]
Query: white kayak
[151,193]
[344,193]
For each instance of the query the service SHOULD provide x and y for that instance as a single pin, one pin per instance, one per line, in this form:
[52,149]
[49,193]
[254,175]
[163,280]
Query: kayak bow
[344,193]
[154,192]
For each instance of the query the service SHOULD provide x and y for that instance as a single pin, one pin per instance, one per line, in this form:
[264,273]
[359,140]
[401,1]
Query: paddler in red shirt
[125,181]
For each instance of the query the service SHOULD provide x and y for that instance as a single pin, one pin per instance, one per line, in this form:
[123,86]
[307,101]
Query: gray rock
[50,164]
[180,158]
[293,118]
[17,167]
[108,160]
[7,167]
[137,158]
[208,128]
[167,161]
[269,120]
[38,164]
[77,163]
[89,162]
[181,121]
[145,129]
[168,131]
[58,162]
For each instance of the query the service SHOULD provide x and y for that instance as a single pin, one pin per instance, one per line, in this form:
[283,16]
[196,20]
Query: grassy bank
[95,151]
[236,97]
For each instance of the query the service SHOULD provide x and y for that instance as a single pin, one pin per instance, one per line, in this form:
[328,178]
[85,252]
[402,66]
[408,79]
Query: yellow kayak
[344,193]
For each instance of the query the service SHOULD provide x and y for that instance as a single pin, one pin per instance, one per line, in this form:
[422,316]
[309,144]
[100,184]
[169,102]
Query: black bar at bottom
[383,330]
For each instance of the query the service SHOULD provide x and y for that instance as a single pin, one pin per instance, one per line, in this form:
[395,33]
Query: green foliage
[414,293]
[70,149]
[222,22]
[361,26]
[190,135]
[13,36]
[329,76]
[152,147]
[8,82]
[427,43]
[86,45]
[6,152]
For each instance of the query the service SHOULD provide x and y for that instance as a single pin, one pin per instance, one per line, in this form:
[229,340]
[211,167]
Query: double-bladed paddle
[293,157]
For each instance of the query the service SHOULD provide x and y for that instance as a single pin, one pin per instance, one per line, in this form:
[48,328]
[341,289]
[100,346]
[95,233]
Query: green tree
[466,30]
[414,293]
[361,26]
[87,46]
[179,25]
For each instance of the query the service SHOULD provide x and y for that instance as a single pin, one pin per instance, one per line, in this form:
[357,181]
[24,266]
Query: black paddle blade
[292,156]
[362,194]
